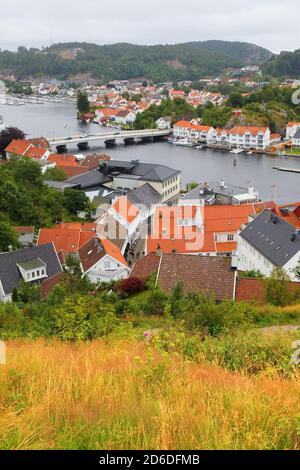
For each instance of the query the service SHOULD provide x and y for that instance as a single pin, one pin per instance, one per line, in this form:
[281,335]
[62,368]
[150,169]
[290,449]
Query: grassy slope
[121,394]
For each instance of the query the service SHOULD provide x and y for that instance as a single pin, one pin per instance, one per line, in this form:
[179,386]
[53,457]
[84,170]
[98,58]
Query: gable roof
[198,274]
[145,267]
[10,275]
[113,251]
[63,160]
[34,152]
[18,147]
[67,237]
[241,130]
[145,195]
[126,209]
[272,237]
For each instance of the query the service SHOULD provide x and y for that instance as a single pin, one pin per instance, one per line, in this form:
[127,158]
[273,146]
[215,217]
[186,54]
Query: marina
[197,164]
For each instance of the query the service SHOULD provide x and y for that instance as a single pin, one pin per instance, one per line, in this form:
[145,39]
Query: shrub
[252,352]
[276,288]
[201,312]
[131,286]
[80,319]
[12,321]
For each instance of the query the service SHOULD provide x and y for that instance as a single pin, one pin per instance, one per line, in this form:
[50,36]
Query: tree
[9,134]
[296,271]
[276,288]
[236,100]
[75,200]
[8,237]
[55,174]
[83,104]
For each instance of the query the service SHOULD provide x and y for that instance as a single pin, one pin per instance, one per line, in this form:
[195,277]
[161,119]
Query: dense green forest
[123,61]
[26,200]
[286,64]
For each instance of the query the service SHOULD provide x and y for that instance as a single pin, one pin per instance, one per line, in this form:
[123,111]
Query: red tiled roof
[170,236]
[113,251]
[185,124]
[198,274]
[18,147]
[25,229]
[67,237]
[40,142]
[35,152]
[63,160]
[241,130]
[145,267]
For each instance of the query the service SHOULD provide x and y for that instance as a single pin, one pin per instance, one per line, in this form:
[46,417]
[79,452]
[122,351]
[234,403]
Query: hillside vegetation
[286,64]
[124,61]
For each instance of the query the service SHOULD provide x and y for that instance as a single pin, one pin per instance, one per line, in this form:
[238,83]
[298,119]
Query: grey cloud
[271,23]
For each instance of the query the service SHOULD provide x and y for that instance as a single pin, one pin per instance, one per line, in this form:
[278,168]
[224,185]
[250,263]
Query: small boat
[236,151]
[249,153]
[199,147]
[184,143]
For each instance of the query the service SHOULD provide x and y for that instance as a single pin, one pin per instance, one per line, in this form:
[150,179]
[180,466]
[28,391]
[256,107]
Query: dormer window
[33,270]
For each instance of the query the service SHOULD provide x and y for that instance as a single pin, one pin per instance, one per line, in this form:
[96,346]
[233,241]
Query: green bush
[80,319]
[250,351]
[201,312]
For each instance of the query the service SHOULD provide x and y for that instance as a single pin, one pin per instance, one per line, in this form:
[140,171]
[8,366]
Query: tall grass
[126,395]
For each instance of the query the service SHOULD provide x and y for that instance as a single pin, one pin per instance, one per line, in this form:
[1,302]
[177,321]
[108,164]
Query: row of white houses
[247,137]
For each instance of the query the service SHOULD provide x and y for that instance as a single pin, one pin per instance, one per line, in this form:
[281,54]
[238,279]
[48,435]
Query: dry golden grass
[123,395]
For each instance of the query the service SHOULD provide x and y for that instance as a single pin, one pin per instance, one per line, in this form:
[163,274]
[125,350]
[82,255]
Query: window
[33,275]
[230,237]
[107,265]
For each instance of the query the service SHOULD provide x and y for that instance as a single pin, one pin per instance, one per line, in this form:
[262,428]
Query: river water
[58,120]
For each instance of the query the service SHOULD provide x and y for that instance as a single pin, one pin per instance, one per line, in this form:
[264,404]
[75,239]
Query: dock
[290,170]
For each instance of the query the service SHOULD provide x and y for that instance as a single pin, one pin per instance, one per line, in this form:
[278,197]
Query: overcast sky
[273,24]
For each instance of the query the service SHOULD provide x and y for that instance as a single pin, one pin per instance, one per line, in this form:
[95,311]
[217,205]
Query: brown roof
[25,229]
[198,273]
[40,142]
[73,170]
[90,253]
[145,267]
[92,161]
[50,283]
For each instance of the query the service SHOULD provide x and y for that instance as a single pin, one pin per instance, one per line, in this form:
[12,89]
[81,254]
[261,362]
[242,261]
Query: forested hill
[124,61]
[286,64]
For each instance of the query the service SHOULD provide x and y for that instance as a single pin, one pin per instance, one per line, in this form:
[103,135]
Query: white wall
[106,270]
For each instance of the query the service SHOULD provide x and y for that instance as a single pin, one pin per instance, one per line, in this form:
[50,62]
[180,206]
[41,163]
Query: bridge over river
[110,139]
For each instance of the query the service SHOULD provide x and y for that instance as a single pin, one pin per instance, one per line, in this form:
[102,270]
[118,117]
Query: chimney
[251,190]
[294,236]
[222,184]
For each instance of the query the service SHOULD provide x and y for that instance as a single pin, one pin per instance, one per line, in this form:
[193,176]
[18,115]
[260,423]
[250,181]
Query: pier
[290,170]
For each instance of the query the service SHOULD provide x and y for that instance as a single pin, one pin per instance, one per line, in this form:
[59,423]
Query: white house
[102,261]
[269,242]
[125,117]
[164,123]
[249,137]
[291,129]
[200,133]
[182,129]
[194,132]
[33,265]
[296,138]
